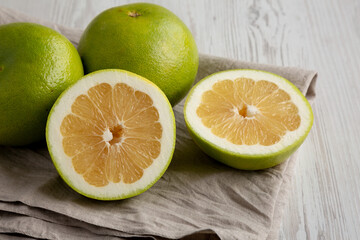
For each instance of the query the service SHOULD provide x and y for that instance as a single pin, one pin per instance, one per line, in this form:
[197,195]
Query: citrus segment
[96,109]
[114,133]
[75,125]
[247,114]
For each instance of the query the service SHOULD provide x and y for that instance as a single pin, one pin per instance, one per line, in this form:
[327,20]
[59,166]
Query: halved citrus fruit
[111,135]
[247,119]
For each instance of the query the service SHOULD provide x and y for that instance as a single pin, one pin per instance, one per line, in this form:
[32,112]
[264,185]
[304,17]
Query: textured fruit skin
[153,43]
[36,65]
[245,161]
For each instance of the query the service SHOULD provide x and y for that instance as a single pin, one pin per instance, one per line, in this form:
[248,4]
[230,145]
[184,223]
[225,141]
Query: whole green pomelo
[146,39]
[36,65]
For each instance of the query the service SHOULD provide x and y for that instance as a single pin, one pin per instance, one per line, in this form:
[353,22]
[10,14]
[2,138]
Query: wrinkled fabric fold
[197,197]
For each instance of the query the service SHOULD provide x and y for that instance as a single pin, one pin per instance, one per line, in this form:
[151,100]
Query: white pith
[204,132]
[63,108]
[107,136]
[251,111]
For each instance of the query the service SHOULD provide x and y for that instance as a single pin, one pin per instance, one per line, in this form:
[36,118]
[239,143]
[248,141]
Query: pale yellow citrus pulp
[248,112]
[112,134]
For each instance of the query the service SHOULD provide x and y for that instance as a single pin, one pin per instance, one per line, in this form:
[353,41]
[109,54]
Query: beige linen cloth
[197,198]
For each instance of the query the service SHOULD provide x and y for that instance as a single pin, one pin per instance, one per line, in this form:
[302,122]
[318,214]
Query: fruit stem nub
[133,14]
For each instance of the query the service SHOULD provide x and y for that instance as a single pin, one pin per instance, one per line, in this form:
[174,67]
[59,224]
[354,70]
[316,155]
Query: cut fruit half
[111,135]
[247,119]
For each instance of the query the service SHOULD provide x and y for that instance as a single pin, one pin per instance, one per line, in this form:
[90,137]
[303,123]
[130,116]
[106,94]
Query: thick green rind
[119,197]
[38,64]
[246,161]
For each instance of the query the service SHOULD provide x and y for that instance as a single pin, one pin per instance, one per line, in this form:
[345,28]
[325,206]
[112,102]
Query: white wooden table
[323,35]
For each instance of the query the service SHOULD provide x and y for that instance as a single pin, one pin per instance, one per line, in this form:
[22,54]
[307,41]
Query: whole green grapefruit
[36,65]
[146,39]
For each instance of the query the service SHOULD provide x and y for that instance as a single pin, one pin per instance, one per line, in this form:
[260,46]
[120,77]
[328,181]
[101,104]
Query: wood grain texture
[323,35]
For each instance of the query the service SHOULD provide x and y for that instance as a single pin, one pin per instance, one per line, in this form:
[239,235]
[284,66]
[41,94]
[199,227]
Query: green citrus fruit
[36,65]
[111,135]
[145,39]
[247,119]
